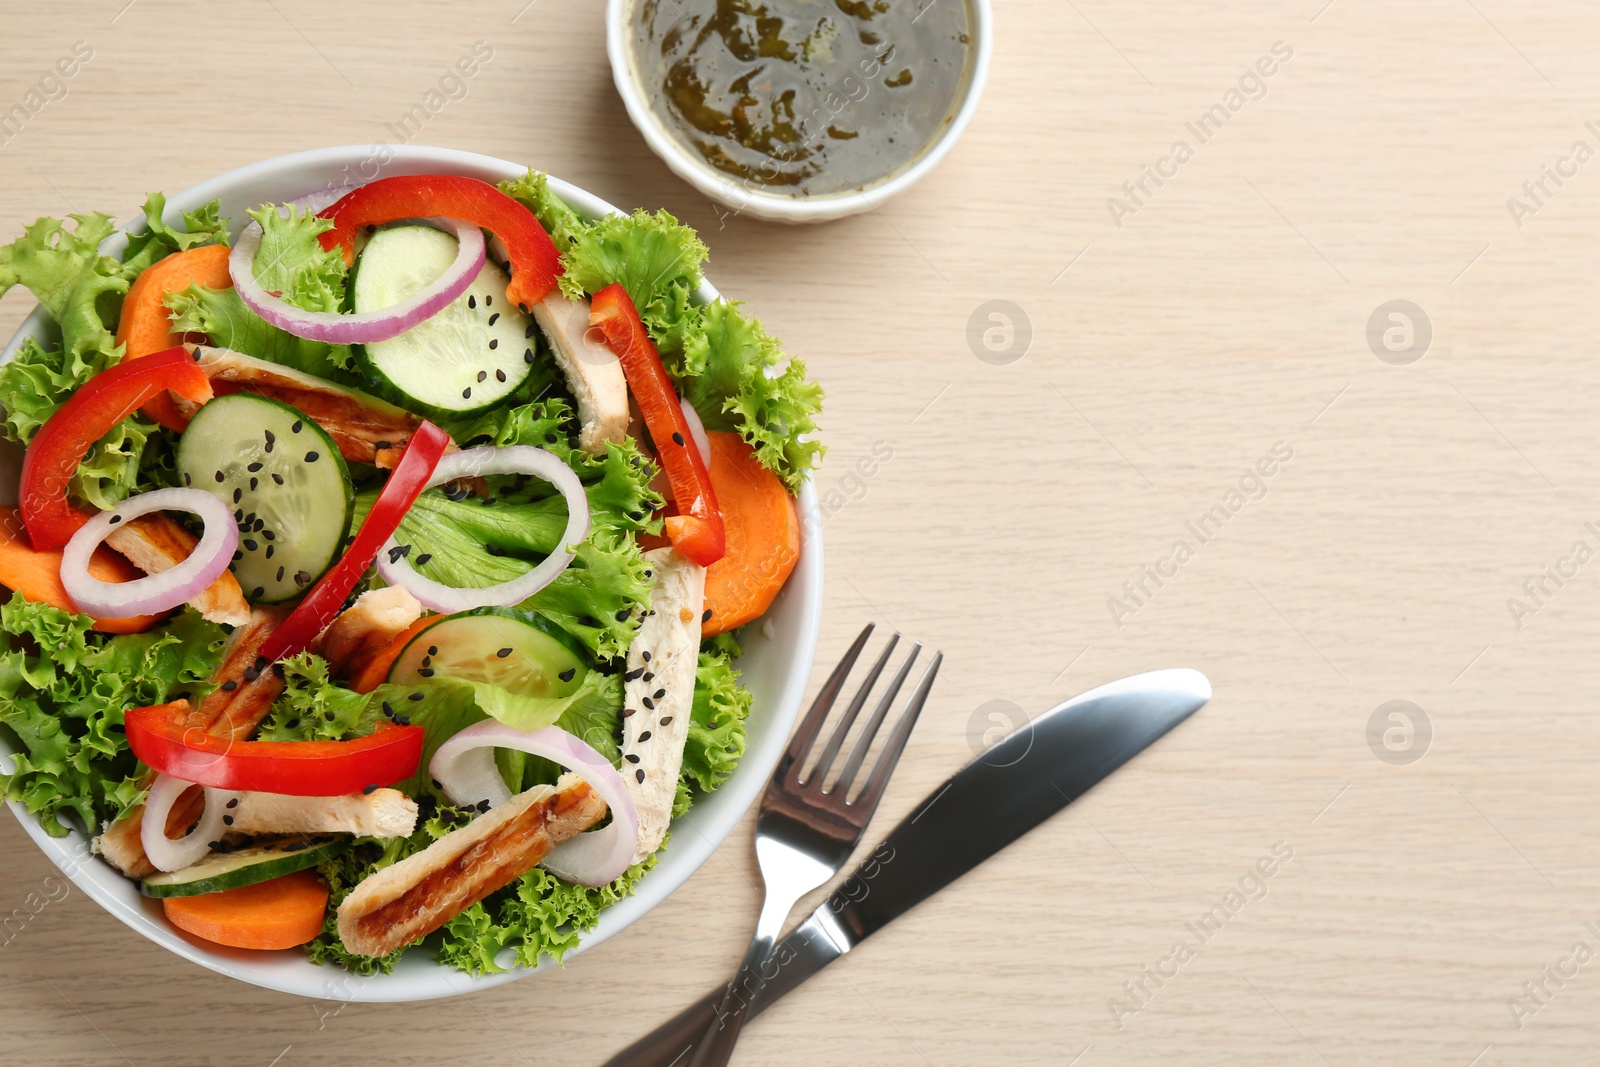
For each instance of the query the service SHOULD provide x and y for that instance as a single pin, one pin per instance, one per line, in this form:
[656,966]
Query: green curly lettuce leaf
[738,378]
[63,694]
[82,291]
[649,253]
[716,723]
[533,192]
[313,707]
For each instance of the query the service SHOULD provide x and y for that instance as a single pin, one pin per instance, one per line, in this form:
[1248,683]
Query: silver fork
[808,827]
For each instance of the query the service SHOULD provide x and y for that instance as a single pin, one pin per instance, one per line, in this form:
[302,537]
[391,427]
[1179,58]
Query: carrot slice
[146,326]
[280,913]
[763,535]
[375,671]
[37,575]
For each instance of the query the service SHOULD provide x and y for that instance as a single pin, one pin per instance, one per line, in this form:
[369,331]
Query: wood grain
[1229,313]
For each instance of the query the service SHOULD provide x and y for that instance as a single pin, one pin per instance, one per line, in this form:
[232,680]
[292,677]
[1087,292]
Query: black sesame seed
[301,577]
[254,482]
[238,554]
[270,549]
[414,696]
[186,479]
[640,776]
[529,331]
[631,758]
[380,446]
[250,545]
[472,302]
[369,790]
[566,675]
[258,592]
[311,457]
[649,676]
[666,719]
[388,708]
[626,712]
[297,427]
[425,557]
[270,535]
[648,703]
[622,616]
[426,672]
[427,661]
[466,394]
[398,552]
[238,495]
[280,569]
[527,357]
[196,353]
[482,375]
[257,465]
[503,653]
[234,803]
[271,437]
[631,675]
[646,657]
[494,344]
[659,693]
[551,438]
[227,820]
[707,616]
[589,621]
[499,375]
[488,300]
[219,477]
[229,686]
[677,438]
[251,673]
[278,478]
[494,318]
[645,736]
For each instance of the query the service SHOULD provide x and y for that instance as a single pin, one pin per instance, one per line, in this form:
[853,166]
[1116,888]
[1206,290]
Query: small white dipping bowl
[749,198]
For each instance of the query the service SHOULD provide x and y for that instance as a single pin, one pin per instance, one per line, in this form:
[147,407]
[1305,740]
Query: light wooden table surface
[1225,317]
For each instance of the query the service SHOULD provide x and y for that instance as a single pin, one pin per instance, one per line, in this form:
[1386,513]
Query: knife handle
[672,1043]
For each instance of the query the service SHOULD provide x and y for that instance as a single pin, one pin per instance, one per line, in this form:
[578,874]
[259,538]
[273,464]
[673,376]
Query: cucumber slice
[230,870]
[520,651]
[286,483]
[469,356]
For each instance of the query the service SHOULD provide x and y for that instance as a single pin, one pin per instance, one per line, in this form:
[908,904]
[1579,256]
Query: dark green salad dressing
[804,96]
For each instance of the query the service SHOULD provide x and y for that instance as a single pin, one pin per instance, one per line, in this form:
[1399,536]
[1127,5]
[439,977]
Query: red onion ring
[464,767]
[175,853]
[477,463]
[364,327]
[697,430]
[159,592]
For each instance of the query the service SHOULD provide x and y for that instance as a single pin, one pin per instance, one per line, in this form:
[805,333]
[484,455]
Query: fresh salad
[376,577]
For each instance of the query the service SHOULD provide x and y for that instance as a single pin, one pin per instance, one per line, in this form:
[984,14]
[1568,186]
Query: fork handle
[671,1043]
[715,1048]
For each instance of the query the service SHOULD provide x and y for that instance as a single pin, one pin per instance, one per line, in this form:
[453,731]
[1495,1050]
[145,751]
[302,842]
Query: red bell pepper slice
[88,415]
[535,263]
[320,606]
[697,530]
[163,739]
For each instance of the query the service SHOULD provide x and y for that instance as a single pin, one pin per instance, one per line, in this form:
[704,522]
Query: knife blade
[1012,787]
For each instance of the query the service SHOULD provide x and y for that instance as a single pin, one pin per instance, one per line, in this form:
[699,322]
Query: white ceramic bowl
[776,663]
[748,198]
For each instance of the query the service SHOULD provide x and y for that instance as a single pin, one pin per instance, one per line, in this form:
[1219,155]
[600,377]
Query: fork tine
[800,744]
[819,773]
[866,802]
[858,752]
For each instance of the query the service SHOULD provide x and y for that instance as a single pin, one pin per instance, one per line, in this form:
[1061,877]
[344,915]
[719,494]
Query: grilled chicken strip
[659,692]
[381,813]
[366,429]
[592,370]
[156,543]
[393,907]
[233,713]
[367,627]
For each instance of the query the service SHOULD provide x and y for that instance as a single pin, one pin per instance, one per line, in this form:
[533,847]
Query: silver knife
[1008,790]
